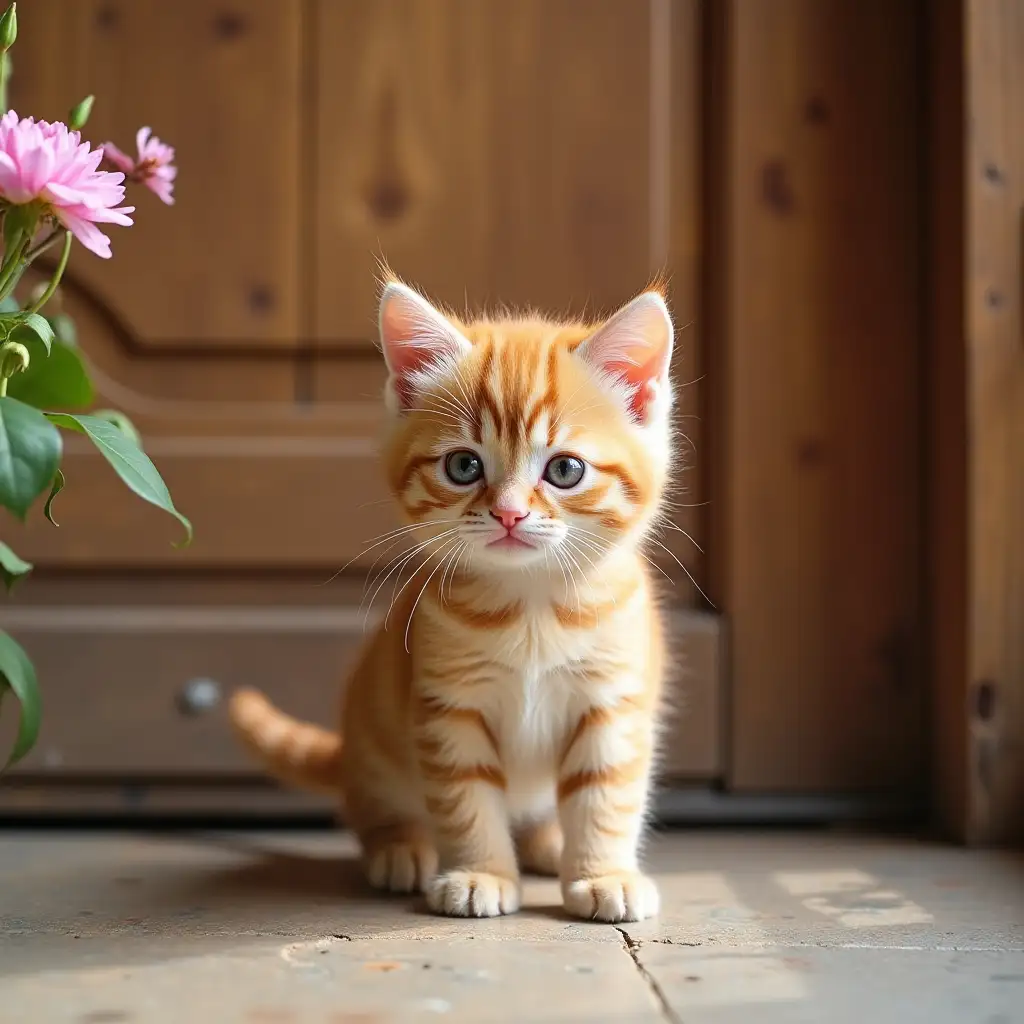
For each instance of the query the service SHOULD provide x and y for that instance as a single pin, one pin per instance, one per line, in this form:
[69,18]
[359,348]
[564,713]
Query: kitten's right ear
[417,340]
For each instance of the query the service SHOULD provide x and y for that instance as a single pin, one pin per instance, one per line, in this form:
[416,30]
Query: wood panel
[947,424]
[493,152]
[977,423]
[816,338]
[116,660]
[221,82]
[266,481]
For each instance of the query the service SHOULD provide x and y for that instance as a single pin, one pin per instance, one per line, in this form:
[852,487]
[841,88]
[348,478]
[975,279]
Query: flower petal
[162,189]
[121,160]
[87,233]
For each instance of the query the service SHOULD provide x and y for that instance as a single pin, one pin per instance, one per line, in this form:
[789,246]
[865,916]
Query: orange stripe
[551,395]
[616,775]
[614,833]
[483,618]
[590,718]
[415,463]
[589,616]
[629,485]
[442,806]
[455,774]
[423,506]
[588,502]
[613,521]
[435,490]
[431,710]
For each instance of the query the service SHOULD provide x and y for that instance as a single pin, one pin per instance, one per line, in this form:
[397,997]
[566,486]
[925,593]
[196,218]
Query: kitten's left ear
[635,348]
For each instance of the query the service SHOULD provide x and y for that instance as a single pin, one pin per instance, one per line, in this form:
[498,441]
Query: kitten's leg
[398,850]
[539,846]
[464,788]
[399,858]
[602,794]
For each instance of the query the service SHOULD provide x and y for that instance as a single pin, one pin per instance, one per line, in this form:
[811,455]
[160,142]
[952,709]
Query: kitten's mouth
[510,542]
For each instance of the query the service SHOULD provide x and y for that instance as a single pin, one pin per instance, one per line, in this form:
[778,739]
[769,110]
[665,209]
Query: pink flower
[47,164]
[154,167]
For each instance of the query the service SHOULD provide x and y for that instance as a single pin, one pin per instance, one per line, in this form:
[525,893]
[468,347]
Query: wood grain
[493,152]
[994,170]
[221,82]
[947,504]
[817,342]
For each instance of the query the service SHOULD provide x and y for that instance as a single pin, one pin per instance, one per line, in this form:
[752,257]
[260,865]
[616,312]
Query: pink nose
[508,517]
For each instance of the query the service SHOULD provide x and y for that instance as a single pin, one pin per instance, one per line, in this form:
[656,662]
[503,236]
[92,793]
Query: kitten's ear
[417,341]
[634,348]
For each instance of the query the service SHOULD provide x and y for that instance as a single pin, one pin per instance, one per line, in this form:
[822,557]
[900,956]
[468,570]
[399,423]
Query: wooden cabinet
[768,155]
[542,153]
[223,82]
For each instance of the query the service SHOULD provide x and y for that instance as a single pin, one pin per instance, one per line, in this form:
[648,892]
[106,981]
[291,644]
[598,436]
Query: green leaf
[119,420]
[131,463]
[58,486]
[58,382]
[19,674]
[34,324]
[30,450]
[12,567]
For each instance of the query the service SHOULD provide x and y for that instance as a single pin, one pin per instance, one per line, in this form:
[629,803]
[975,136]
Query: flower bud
[8,28]
[13,359]
[80,114]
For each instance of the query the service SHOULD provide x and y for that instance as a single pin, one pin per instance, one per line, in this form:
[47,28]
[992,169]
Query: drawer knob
[198,696]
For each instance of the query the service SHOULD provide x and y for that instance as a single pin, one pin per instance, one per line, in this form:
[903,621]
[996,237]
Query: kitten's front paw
[472,894]
[401,866]
[623,897]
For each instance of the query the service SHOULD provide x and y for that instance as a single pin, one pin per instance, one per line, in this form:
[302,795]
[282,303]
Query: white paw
[401,866]
[472,894]
[622,897]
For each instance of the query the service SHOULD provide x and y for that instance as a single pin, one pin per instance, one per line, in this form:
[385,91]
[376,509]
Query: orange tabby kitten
[508,721]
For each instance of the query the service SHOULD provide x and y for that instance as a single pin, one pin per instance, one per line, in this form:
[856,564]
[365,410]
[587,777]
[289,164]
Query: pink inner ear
[414,336]
[643,379]
[635,347]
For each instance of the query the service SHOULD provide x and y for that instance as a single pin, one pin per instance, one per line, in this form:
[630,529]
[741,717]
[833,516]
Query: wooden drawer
[141,690]
[137,688]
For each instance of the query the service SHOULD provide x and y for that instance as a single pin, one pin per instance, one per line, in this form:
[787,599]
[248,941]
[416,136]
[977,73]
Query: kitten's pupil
[463,467]
[564,471]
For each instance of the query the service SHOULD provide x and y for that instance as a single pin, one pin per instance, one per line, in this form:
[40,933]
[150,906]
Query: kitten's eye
[564,471]
[463,468]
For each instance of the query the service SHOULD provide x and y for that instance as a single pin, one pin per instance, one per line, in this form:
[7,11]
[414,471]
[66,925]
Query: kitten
[507,719]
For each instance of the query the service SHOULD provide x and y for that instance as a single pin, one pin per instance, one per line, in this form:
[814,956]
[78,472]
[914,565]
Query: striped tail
[296,752]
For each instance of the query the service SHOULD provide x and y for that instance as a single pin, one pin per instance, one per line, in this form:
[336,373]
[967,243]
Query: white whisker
[683,567]
[426,584]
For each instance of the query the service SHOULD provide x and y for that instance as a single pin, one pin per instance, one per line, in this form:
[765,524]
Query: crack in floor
[632,948]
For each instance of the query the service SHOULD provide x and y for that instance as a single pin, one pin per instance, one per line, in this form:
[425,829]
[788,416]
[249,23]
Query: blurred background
[802,171]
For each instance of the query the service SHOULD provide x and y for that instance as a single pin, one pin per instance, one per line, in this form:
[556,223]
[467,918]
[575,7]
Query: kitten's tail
[297,752]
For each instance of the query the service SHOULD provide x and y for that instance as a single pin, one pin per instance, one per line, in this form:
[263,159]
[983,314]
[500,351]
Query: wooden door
[536,152]
[976,419]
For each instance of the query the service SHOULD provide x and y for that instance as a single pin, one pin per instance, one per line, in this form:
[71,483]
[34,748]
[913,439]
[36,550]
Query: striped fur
[506,716]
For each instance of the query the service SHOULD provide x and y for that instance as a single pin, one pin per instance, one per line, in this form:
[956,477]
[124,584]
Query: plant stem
[10,270]
[57,275]
[43,245]
[3,387]
[5,71]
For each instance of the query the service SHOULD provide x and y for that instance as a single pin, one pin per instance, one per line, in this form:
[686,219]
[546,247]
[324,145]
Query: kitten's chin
[508,553]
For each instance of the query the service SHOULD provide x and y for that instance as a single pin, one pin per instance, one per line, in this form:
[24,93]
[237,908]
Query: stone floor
[272,929]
